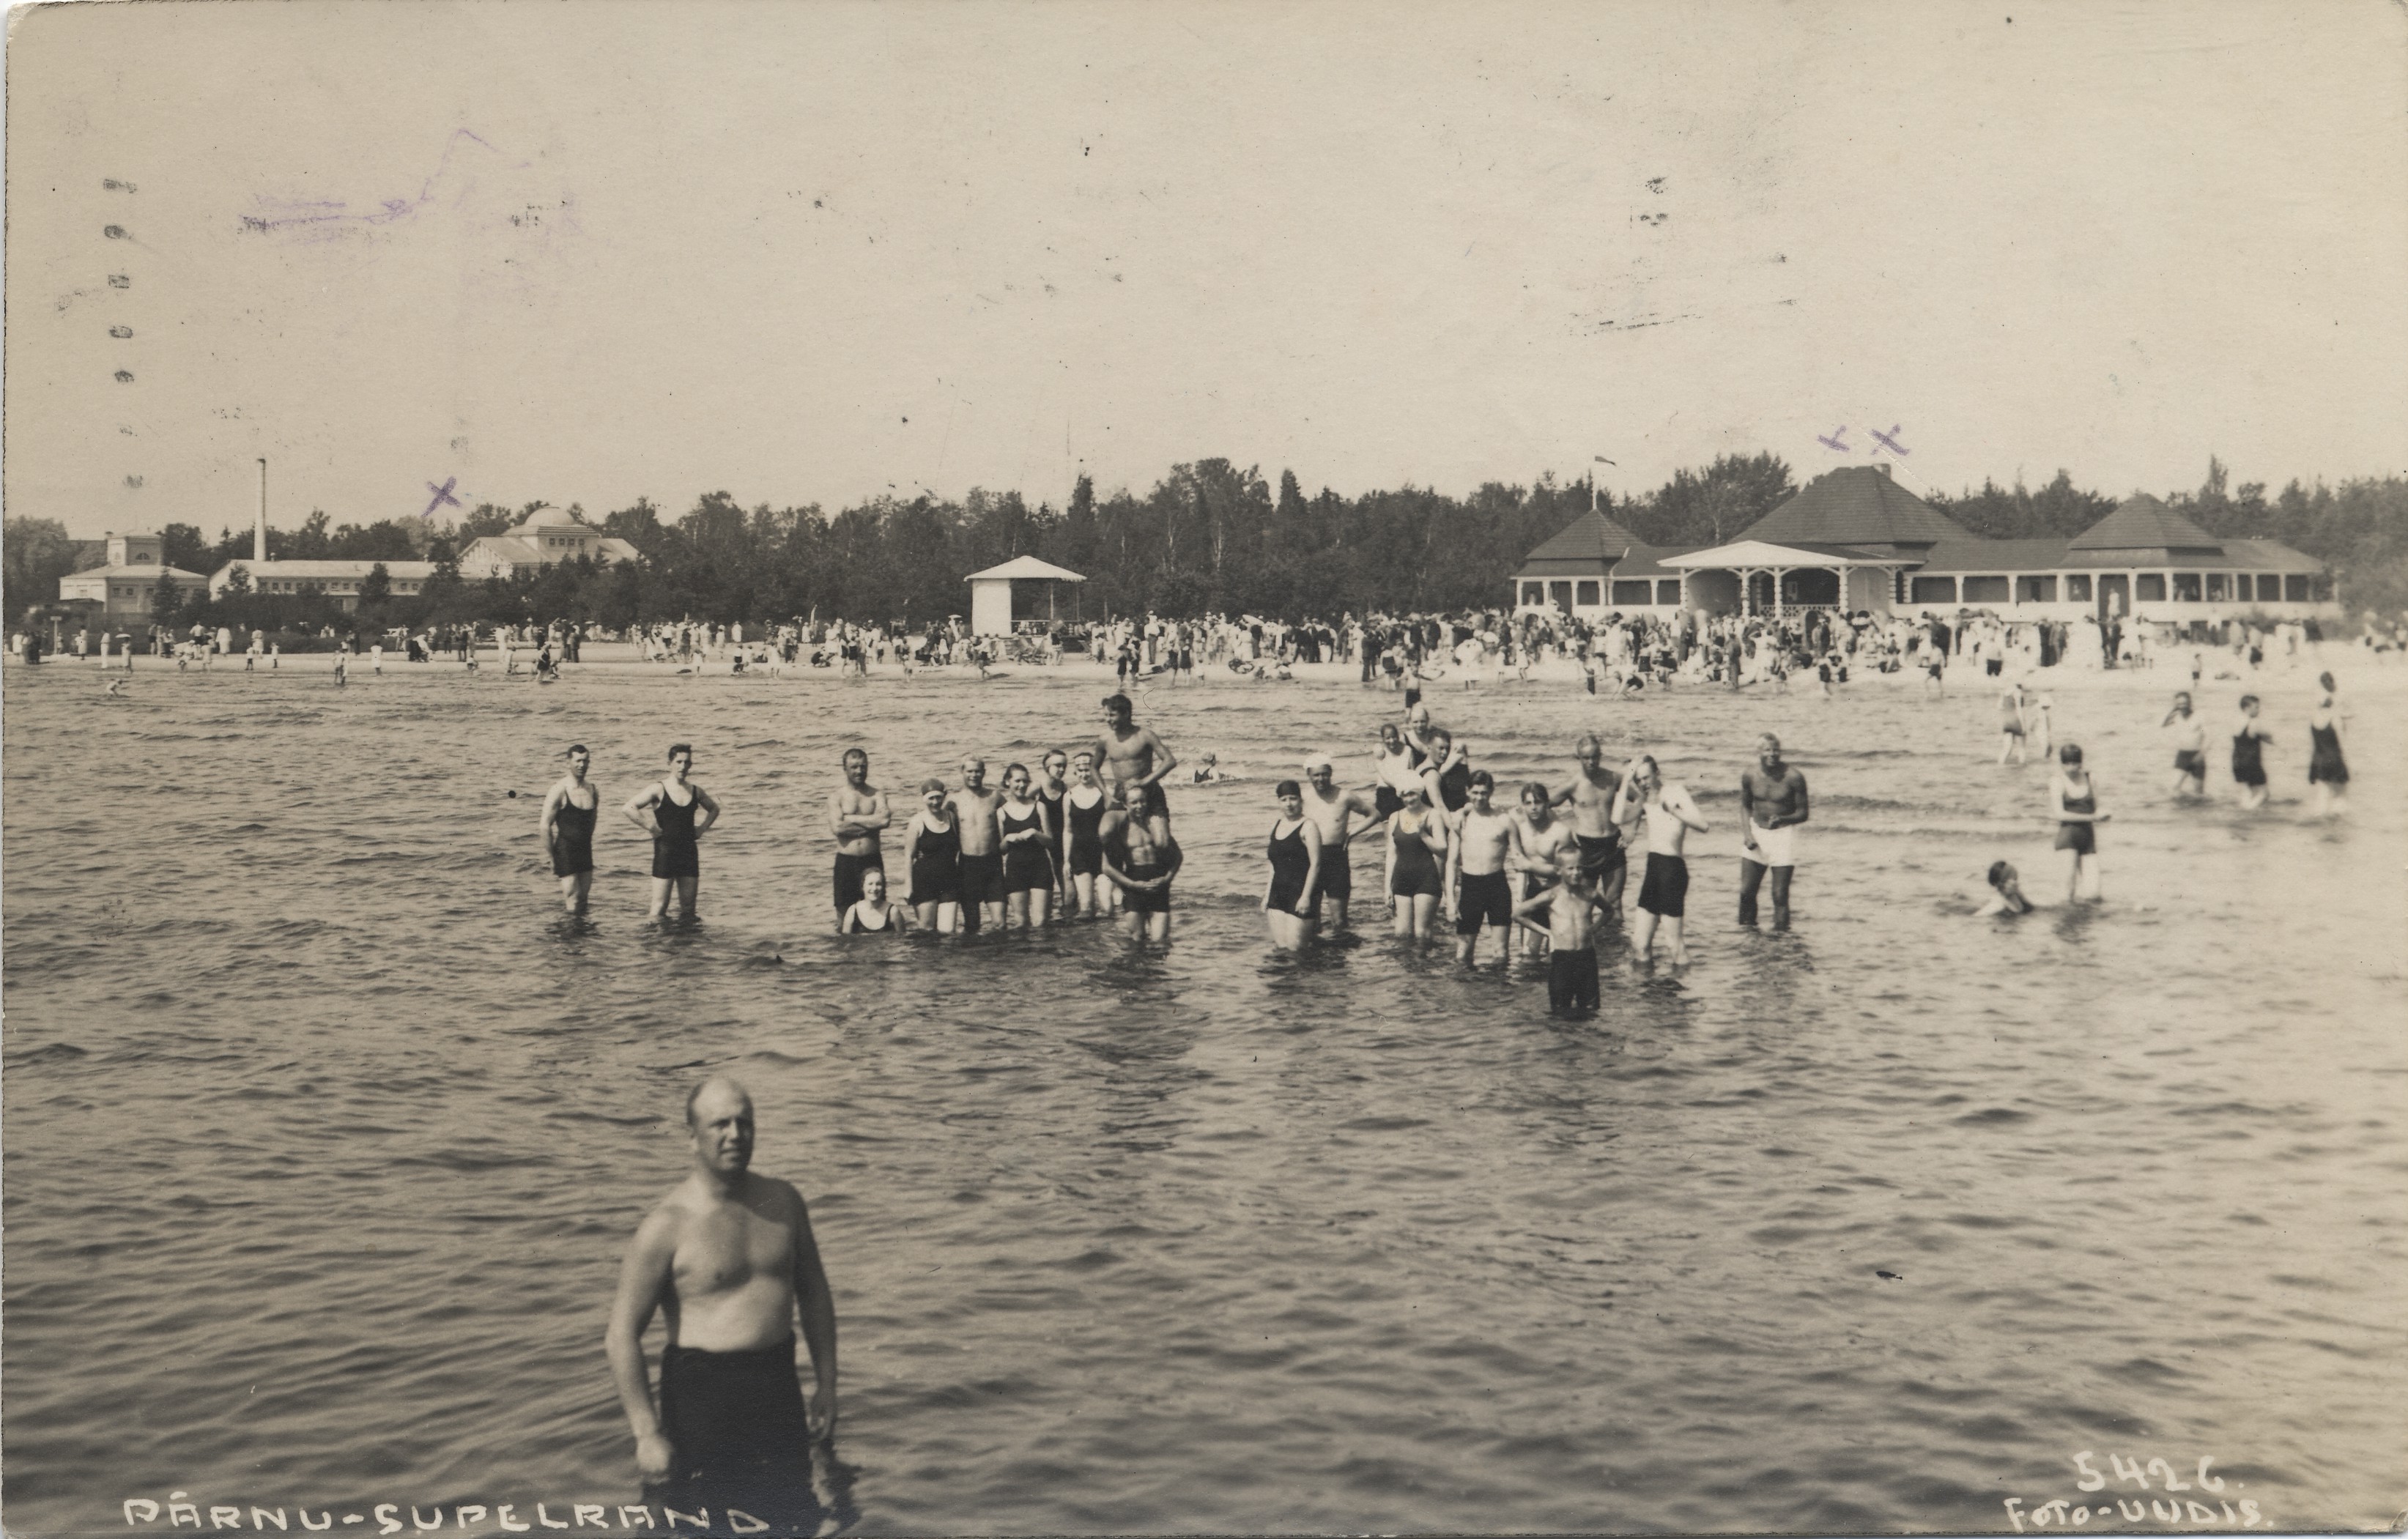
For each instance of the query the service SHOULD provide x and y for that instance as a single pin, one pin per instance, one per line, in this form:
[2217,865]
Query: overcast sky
[585,253]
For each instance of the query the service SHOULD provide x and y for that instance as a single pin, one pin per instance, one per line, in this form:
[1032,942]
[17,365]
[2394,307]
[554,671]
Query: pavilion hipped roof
[1025,567]
[1855,504]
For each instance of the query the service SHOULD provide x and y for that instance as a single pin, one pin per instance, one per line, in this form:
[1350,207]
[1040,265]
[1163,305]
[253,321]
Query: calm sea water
[324,1131]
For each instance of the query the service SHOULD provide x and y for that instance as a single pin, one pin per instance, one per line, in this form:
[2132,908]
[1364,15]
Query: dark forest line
[1209,537]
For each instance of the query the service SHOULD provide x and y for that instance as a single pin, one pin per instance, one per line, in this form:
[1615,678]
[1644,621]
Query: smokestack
[259,533]
[1882,465]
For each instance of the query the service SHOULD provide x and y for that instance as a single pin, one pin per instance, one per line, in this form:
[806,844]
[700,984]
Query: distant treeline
[1209,537]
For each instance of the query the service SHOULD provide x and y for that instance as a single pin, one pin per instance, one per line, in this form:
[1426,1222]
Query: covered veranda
[1759,577]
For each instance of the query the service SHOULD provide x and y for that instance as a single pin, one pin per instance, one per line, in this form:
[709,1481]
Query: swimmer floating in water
[2006,896]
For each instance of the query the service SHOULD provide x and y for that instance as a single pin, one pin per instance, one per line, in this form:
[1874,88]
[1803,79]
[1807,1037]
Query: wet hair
[1139,790]
[1649,761]
[2070,754]
[1051,754]
[1768,737]
[929,785]
[1589,740]
[1999,872]
[675,748]
[1287,789]
[2248,700]
[1119,704]
[850,754]
[1012,769]
[1545,796]
[1482,778]
[579,748]
[1438,731]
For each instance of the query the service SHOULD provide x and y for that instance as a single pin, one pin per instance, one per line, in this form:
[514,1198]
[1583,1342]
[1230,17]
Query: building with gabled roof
[540,541]
[339,580]
[1594,566]
[1854,539]
[124,584]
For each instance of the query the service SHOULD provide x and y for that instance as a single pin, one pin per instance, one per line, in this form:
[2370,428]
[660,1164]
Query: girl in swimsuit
[1027,868]
[932,851]
[2073,802]
[1050,791]
[1289,897]
[873,915]
[2248,755]
[1417,839]
[1083,806]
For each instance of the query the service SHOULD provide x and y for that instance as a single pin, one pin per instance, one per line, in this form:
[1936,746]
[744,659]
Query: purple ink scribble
[1836,442]
[1889,440]
[326,218]
[442,495]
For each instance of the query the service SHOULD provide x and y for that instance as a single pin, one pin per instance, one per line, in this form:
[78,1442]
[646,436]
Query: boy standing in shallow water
[1572,906]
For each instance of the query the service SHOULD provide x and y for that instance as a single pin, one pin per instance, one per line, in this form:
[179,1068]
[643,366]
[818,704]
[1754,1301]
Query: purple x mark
[1837,440]
[1888,440]
[442,495]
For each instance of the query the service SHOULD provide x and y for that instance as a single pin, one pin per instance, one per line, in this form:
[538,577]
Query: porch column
[1778,573]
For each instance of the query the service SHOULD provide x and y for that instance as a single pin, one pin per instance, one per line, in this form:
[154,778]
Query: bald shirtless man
[1332,811]
[1772,804]
[1590,797]
[727,1256]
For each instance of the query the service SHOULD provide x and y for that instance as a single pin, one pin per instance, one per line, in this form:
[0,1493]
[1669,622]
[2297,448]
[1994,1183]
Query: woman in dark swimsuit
[1050,791]
[2328,770]
[1083,806]
[1417,835]
[1291,896]
[1027,865]
[2249,755]
[872,915]
[2073,802]
[932,851]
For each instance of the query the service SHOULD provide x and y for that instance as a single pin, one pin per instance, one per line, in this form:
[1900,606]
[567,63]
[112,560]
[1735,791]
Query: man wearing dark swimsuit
[673,823]
[857,812]
[569,809]
[1591,793]
[1141,857]
[1130,755]
[974,806]
[728,1257]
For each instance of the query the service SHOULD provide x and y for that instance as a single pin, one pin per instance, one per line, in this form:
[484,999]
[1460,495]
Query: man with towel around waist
[1772,804]
[728,1257]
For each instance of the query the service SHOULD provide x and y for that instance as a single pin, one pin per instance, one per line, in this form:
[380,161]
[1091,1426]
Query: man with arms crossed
[728,1257]
[1331,810]
[1591,794]
[856,812]
[1772,804]
[1131,755]
[1141,857]
[1476,857]
[981,848]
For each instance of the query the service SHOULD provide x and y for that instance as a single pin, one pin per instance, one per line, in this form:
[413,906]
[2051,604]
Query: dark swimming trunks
[572,847]
[849,869]
[1601,857]
[982,878]
[1146,899]
[1485,898]
[1417,872]
[739,1437]
[1572,981]
[2326,766]
[674,853]
[2249,764]
[2190,762]
[1664,890]
[1336,875]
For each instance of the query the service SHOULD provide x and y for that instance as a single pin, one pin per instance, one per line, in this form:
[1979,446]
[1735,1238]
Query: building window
[1667,592]
[1561,594]
[1534,593]
[2299,588]
[1634,593]
[2187,588]
[2036,590]
[1584,595]
[2149,587]
[2269,588]
[2077,588]
[1935,591]
[2217,587]
[1986,590]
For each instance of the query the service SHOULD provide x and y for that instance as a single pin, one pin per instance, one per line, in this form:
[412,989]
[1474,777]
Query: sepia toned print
[1077,769]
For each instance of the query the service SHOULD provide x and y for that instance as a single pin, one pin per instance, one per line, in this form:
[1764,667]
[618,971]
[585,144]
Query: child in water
[2007,894]
[1209,771]
[1572,906]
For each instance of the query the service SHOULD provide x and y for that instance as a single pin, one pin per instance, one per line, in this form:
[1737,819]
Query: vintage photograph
[1048,767]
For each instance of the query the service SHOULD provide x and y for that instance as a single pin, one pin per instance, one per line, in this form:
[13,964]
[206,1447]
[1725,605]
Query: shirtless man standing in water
[1591,794]
[974,807]
[1772,804]
[1332,811]
[1476,857]
[1130,755]
[857,811]
[1141,857]
[728,1257]
[1671,816]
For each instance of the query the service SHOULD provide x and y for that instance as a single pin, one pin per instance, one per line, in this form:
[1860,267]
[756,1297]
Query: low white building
[124,586]
[1001,594]
[337,579]
[540,541]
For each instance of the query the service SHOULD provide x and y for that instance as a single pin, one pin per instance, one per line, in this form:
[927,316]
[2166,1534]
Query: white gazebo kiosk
[991,598]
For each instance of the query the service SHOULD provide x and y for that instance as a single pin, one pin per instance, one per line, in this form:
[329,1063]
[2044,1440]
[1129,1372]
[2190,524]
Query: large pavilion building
[1855,540]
